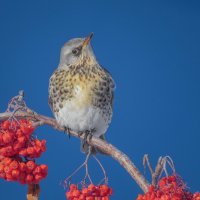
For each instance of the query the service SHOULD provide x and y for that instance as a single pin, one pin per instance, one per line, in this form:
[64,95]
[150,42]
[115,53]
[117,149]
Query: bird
[81,92]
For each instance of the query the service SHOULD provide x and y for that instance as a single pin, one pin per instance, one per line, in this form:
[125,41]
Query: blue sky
[152,50]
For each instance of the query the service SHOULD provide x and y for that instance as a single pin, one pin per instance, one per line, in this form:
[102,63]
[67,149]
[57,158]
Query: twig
[169,161]
[146,161]
[158,171]
[33,192]
[103,170]
[87,175]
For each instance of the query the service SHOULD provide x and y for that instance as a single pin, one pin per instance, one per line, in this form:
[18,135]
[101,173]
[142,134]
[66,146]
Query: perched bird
[81,91]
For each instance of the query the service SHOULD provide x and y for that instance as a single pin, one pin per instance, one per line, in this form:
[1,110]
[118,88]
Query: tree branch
[17,109]
[109,149]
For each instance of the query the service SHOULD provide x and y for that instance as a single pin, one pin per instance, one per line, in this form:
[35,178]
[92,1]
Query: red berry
[43,145]
[14,165]
[5,125]
[30,166]
[44,168]
[105,198]
[19,133]
[37,170]
[37,150]
[76,193]
[69,195]
[89,198]
[30,150]
[7,169]
[85,191]
[6,161]
[38,143]
[9,177]
[6,151]
[2,175]
[15,173]
[7,137]
[26,129]
[29,178]
[73,187]
[22,177]
[1,138]
[38,178]
[82,197]
[22,167]
[91,187]
[21,139]
[1,167]
[23,152]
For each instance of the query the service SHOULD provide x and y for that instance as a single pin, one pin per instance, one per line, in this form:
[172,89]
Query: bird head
[77,51]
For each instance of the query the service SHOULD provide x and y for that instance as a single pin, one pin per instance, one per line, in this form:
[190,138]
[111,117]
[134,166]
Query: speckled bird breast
[84,86]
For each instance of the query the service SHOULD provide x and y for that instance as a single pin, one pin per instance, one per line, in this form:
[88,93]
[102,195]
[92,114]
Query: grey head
[75,51]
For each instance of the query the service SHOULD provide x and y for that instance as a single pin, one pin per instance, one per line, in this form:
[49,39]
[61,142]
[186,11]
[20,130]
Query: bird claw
[88,136]
[80,133]
[67,130]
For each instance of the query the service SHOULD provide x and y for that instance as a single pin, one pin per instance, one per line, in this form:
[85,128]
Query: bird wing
[111,84]
[50,101]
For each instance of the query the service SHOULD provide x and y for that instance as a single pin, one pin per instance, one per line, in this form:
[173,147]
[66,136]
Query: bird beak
[87,40]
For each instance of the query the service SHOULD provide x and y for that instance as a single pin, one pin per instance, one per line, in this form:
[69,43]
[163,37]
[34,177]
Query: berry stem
[33,192]
[102,168]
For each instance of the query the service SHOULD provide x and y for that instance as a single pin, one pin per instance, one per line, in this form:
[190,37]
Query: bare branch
[147,162]
[158,171]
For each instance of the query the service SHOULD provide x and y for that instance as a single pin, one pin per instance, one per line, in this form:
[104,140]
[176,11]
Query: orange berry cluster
[15,169]
[196,196]
[169,188]
[92,192]
[15,139]
[17,147]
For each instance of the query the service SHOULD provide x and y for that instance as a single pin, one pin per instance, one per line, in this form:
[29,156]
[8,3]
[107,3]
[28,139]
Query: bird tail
[85,147]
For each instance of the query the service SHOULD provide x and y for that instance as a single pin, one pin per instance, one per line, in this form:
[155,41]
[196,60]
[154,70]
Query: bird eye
[75,51]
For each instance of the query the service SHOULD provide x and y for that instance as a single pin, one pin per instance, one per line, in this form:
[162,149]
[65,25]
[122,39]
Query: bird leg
[80,133]
[88,136]
[67,130]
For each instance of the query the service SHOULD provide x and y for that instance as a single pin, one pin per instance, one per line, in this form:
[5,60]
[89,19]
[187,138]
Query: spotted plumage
[80,90]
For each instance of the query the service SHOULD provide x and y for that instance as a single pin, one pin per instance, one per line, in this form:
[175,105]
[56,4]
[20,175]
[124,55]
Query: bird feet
[88,134]
[67,130]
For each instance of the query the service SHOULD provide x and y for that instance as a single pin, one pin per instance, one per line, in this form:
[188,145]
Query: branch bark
[109,149]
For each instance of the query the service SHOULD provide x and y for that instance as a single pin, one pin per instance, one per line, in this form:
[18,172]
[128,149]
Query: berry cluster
[169,188]
[92,192]
[15,169]
[17,148]
[15,139]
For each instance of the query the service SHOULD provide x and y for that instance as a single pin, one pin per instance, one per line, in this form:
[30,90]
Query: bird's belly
[82,118]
